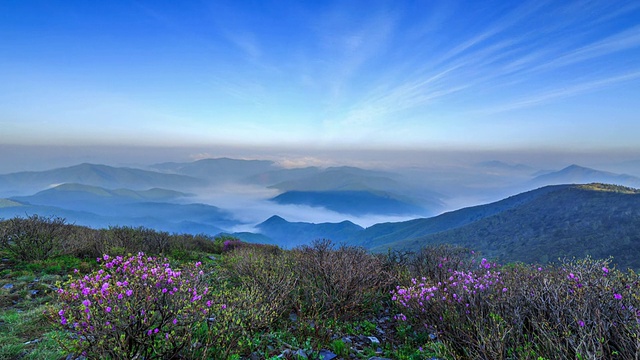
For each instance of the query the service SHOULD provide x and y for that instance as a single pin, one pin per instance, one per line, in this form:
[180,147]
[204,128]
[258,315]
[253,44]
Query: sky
[448,75]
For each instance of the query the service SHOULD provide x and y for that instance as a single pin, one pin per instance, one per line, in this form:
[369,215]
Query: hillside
[353,202]
[555,221]
[383,234]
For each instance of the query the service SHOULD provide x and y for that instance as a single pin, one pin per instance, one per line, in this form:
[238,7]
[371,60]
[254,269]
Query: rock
[379,358]
[8,287]
[327,355]
[34,292]
[364,339]
[254,356]
[301,354]
[373,340]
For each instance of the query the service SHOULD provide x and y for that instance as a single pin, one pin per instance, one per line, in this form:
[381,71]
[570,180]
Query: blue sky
[486,75]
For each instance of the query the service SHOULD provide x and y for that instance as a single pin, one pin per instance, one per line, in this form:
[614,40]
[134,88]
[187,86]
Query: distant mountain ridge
[291,234]
[98,175]
[575,174]
[219,169]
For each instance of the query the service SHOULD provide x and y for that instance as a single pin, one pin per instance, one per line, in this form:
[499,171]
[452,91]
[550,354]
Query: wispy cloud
[622,41]
[246,42]
[564,92]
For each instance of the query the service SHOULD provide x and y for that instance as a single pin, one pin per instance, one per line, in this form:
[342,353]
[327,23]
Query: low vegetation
[135,293]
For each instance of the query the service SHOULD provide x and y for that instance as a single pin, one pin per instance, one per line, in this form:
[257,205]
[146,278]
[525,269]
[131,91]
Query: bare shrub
[266,271]
[34,237]
[338,283]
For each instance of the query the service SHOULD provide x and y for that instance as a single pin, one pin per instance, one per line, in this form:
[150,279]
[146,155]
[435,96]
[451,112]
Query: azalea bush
[133,307]
[579,309]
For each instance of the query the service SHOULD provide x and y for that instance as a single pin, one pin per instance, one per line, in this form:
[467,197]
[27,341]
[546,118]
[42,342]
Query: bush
[271,272]
[136,307]
[34,237]
[339,283]
[578,309]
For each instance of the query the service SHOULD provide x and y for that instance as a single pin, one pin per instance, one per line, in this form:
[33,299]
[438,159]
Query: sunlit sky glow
[378,74]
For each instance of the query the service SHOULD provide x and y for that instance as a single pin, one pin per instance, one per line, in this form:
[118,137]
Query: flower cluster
[134,307]
[458,287]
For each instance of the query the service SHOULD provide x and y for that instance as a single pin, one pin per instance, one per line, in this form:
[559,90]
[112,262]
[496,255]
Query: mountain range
[536,225]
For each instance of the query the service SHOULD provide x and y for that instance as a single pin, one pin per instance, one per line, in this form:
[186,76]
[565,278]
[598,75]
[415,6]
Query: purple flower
[86,302]
[581,323]
[605,270]
[617,296]
[129,292]
[108,309]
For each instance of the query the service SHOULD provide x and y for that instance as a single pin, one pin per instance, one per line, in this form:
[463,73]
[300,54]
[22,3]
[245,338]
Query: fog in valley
[420,183]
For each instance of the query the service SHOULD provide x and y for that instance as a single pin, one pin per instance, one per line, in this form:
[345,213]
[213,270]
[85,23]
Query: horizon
[307,83]
[19,158]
